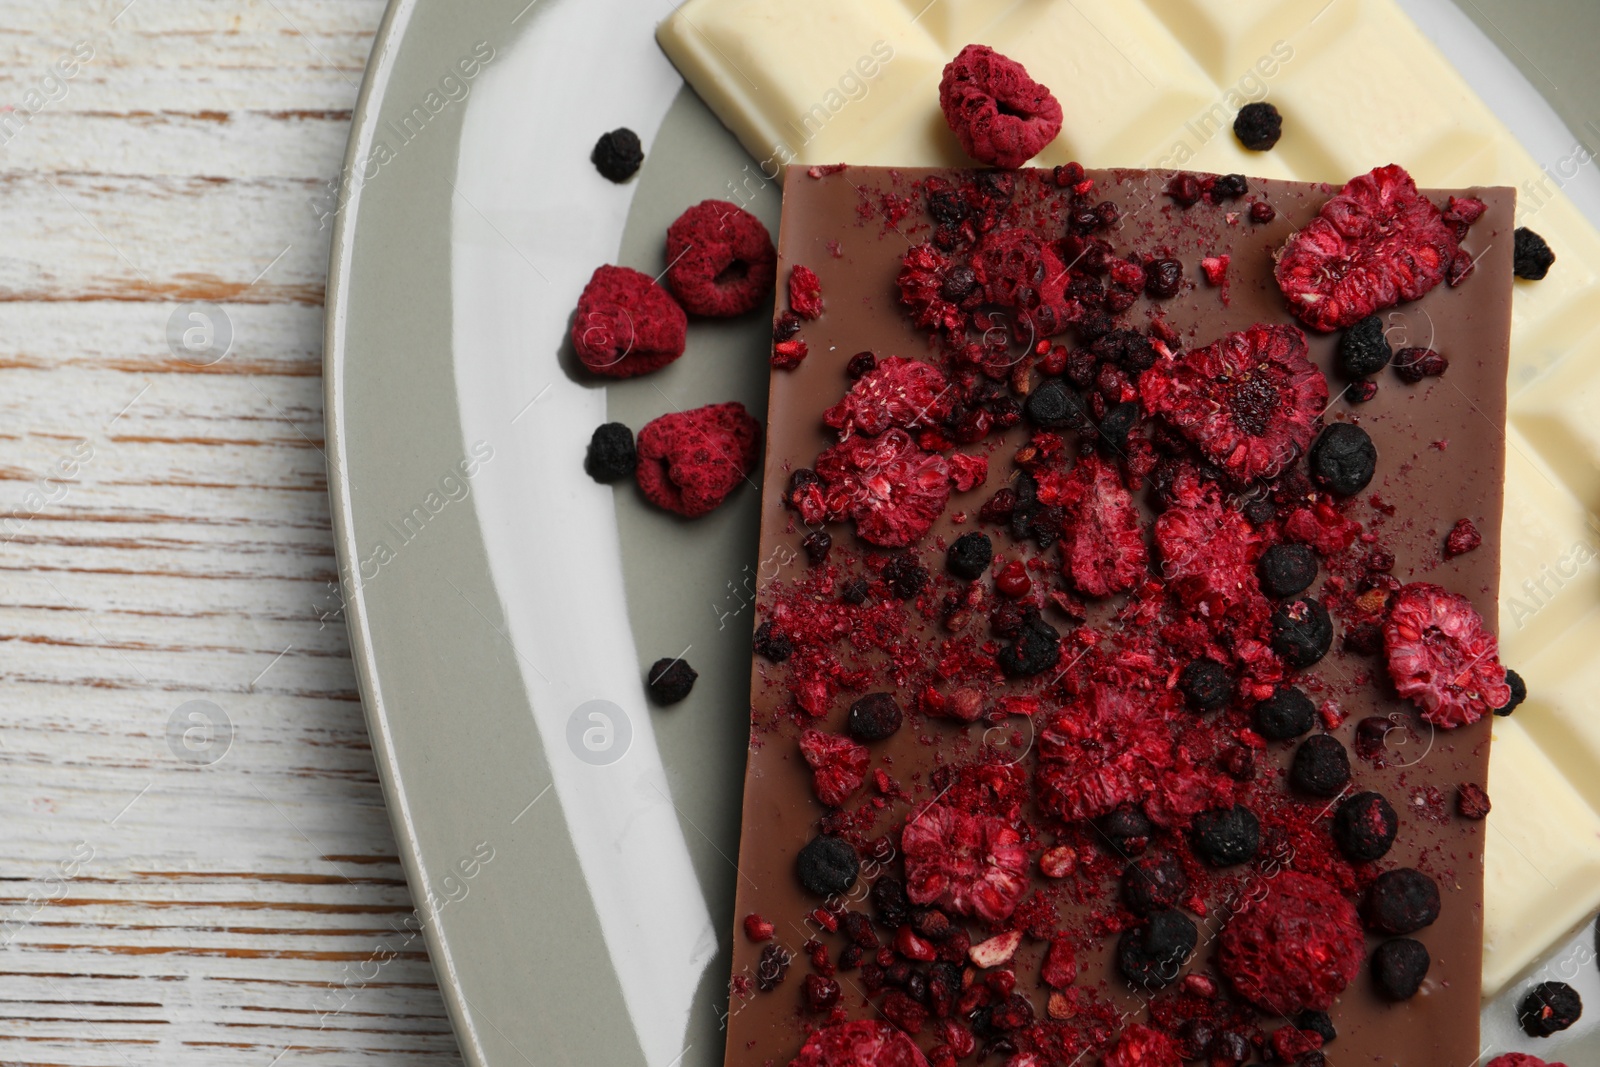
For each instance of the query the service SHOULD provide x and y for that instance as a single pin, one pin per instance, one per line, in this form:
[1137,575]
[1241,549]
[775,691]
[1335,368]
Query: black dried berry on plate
[1287,713]
[1302,632]
[1258,126]
[1224,837]
[905,576]
[1321,766]
[1519,693]
[1549,1008]
[969,555]
[1152,883]
[875,717]
[1318,1022]
[1151,956]
[1365,826]
[1399,966]
[1055,407]
[1126,830]
[827,866]
[1287,569]
[854,591]
[611,453]
[1364,350]
[1343,459]
[816,545]
[1532,257]
[1163,277]
[1118,423]
[1034,650]
[1229,187]
[772,643]
[1206,683]
[669,680]
[1401,901]
[617,154]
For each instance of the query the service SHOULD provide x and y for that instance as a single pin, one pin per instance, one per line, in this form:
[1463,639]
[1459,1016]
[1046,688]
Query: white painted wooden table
[182,883]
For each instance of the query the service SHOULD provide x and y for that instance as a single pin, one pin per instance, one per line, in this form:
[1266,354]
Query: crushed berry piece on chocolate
[758,929]
[1261,211]
[1321,766]
[972,865]
[821,993]
[772,967]
[1206,684]
[787,355]
[1185,190]
[1442,656]
[889,901]
[1286,714]
[1013,580]
[875,717]
[1376,243]
[1463,538]
[1401,901]
[895,392]
[1228,187]
[1519,693]
[611,454]
[772,643]
[1317,1022]
[805,292]
[1302,632]
[689,461]
[1258,126]
[1364,349]
[887,484]
[860,365]
[1296,946]
[1364,638]
[1150,956]
[1230,1048]
[1152,883]
[617,154]
[969,555]
[1102,542]
[1119,421]
[1415,364]
[827,865]
[1549,1008]
[1361,390]
[1215,268]
[905,576]
[1163,278]
[854,591]
[1520,1059]
[1472,802]
[1260,511]
[816,545]
[1225,837]
[787,325]
[1194,1037]
[1001,116]
[1343,459]
[1287,569]
[669,680]
[722,259]
[1532,258]
[1365,826]
[626,324]
[1034,650]
[1128,349]
[1399,966]
[838,765]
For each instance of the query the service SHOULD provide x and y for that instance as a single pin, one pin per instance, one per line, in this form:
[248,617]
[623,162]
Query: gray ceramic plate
[570,848]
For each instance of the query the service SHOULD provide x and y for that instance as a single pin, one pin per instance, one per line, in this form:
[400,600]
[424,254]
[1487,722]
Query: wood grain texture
[230,897]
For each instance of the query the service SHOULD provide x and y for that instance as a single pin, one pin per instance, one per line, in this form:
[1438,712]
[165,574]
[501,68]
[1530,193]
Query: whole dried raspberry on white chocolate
[1442,656]
[1001,116]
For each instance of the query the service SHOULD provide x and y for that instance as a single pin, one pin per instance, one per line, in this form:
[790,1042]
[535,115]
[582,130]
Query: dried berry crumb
[787,355]
[1258,126]
[1365,826]
[1463,538]
[1533,258]
[1548,1008]
[669,680]
[1472,802]
[1401,901]
[618,154]
[1215,268]
[611,454]
[1399,967]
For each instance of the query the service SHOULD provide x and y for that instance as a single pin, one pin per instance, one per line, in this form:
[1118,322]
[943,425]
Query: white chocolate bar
[1156,83]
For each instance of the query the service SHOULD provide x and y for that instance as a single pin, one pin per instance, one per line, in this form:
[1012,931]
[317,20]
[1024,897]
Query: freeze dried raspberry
[1376,243]
[924,271]
[787,355]
[1001,116]
[805,292]
[758,929]
[1463,538]
[890,487]
[689,461]
[1142,1046]
[907,393]
[967,472]
[862,1043]
[968,864]
[838,765]
[1102,546]
[1442,656]
[722,259]
[1472,802]
[1249,401]
[1322,527]
[626,324]
[1209,554]
[1019,271]
[1215,268]
[1298,946]
[1520,1059]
